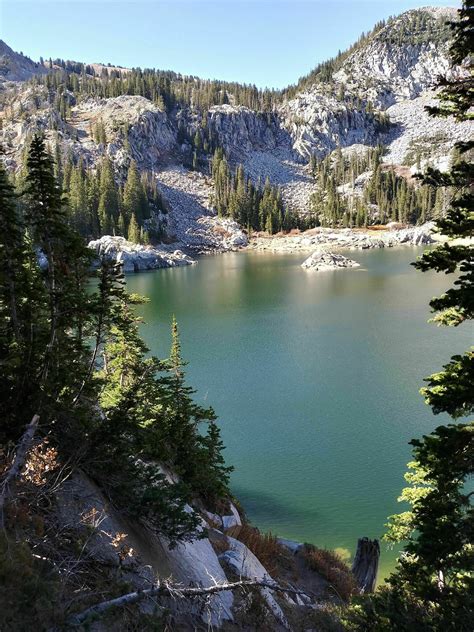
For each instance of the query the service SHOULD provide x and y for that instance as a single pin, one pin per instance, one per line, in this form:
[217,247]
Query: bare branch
[165,589]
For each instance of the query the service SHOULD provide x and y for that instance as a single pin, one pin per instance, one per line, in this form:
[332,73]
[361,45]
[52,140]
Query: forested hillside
[126,142]
[113,476]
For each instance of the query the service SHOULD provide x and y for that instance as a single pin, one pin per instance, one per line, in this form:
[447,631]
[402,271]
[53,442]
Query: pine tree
[432,587]
[23,306]
[121,226]
[51,303]
[134,198]
[133,230]
[196,457]
[77,198]
[108,208]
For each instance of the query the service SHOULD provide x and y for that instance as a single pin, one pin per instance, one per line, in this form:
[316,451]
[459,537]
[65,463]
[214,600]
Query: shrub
[332,567]
[265,547]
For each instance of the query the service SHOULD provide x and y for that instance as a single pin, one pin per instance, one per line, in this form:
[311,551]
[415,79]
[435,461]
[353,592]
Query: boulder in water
[321,260]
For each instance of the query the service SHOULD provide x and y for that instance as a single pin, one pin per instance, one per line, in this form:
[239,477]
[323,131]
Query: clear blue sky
[266,42]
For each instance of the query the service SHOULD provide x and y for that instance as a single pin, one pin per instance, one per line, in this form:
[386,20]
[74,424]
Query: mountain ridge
[375,94]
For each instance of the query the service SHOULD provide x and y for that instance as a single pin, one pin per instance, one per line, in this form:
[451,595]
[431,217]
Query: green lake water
[314,377]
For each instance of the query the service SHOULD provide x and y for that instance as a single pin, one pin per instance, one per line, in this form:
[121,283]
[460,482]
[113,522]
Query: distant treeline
[169,89]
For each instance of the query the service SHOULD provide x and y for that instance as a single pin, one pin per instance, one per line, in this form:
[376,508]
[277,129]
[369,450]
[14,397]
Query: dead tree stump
[366,564]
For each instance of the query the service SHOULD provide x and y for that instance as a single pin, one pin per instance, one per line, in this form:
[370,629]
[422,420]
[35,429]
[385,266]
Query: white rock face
[318,123]
[245,564]
[135,257]
[196,563]
[233,520]
[416,235]
[141,555]
[192,221]
[414,127]
[395,69]
[241,130]
[388,72]
[328,261]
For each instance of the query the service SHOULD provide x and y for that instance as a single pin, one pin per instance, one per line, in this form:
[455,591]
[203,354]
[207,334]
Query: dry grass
[376,227]
[333,568]
[220,230]
[265,547]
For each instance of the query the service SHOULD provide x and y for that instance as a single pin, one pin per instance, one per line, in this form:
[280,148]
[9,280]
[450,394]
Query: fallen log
[17,465]
[165,589]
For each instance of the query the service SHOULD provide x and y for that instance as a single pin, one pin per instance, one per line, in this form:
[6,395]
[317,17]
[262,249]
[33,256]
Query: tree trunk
[366,563]
[17,465]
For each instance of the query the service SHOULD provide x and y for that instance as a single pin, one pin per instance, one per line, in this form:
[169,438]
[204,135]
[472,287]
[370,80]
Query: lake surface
[314,377]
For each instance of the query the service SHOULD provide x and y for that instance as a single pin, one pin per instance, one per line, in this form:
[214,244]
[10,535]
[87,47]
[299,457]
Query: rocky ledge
[136,257]
[328,261]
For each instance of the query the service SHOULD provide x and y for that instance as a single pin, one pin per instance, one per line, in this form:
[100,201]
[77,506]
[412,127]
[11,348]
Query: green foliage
[133,230]
[95,202]
[256,207]
[108,209]
[432,587]
[135,201]
[393,197]
[450,390]
[75,357]
[417,27]
[28,590]
[401,526]
[43,310]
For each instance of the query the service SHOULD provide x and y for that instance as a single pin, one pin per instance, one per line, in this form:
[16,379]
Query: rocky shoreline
[348,238]
[136,257]
[319,241]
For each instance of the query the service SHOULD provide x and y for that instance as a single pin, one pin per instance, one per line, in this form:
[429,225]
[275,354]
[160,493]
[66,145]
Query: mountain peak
[16,66]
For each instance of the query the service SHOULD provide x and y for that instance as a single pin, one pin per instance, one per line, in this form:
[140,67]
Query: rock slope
[347,238]
[15,66]
[390,74]
[132,556]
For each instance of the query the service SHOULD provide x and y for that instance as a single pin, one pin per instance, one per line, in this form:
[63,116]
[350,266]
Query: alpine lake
[315,379]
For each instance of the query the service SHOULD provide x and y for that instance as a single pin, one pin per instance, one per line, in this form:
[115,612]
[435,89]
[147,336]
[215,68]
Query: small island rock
[328,261]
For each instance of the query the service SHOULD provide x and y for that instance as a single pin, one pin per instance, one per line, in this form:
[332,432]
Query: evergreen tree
[195,457]
[108,208]
[77,198]
[432,587]
[23,316]
[133,231]
[134,197]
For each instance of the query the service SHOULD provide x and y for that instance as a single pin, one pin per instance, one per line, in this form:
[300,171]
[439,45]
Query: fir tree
[432,587]
[134,198]
[108,208]
[133,230]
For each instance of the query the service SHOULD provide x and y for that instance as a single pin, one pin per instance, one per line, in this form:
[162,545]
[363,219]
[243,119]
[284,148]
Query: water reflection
[314,376]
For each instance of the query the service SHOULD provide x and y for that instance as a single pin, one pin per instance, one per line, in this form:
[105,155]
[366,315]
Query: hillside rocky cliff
[376,94]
